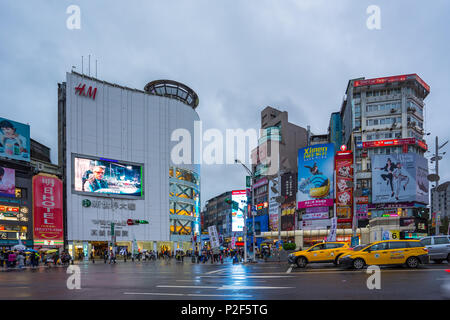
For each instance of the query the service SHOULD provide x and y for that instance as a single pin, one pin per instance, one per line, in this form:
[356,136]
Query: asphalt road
[172,280]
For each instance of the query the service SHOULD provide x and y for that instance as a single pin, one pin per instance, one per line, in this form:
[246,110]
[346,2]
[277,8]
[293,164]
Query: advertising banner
[237,215]
[99,176]
[399,178]
[316,224]
[14,140]
[7,182]
[47,209]
[289,186]
[213,237]
[273,207]
[332,235]
[344,178]
[315,216]
[362,211]
[315,176]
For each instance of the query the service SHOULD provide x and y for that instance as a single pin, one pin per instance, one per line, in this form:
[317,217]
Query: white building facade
[118,127]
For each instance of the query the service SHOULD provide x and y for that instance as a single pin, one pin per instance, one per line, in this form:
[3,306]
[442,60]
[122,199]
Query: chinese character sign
[47,208]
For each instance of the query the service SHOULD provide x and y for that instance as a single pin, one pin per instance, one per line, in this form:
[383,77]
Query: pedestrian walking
[105,256]
[92,257]
[2,258]
[12,259]
[20,260]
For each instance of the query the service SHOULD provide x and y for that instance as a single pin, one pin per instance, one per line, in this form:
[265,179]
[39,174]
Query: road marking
[189,294]
[155,293]
[216,271]
[250,288]
[243,276]
[289,270]
[220,295]
[196,287]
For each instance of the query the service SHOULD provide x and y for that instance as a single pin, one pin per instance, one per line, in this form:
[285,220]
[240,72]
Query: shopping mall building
[115,147]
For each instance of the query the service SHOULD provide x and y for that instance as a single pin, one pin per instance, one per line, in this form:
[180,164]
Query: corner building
[127,132]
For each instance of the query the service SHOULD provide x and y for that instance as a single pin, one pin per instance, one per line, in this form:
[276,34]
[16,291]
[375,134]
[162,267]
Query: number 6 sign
[395,235]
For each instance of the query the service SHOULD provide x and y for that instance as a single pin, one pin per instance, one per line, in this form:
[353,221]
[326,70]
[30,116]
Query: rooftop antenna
[82,65]
[89,69]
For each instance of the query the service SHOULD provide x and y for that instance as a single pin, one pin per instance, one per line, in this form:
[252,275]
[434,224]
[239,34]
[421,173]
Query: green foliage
[289,246]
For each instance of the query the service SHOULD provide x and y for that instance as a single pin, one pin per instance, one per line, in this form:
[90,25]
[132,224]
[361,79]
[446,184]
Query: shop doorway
[99,248]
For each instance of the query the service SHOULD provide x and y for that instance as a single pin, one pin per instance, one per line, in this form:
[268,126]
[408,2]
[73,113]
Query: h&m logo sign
[90,92]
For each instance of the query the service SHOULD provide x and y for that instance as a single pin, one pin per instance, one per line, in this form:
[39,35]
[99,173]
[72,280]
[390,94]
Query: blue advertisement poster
[315,176]
[14,140]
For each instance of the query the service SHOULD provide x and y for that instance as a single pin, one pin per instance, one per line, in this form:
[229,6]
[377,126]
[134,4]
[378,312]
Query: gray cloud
[238,56]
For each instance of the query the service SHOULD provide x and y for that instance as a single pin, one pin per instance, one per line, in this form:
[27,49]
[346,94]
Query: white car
[438,247]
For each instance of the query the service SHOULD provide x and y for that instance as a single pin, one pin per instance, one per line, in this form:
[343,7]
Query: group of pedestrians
[12,259]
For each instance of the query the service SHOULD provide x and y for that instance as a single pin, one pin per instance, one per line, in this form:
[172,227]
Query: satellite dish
[433,177]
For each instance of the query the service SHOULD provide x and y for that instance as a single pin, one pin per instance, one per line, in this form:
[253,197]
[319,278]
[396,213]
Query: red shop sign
[47,208]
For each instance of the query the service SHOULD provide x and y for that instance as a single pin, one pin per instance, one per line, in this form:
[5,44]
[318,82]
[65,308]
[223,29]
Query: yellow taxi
[387,252]
[319,253]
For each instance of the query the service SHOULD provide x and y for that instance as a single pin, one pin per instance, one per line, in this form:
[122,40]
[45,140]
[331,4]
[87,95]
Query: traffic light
[132,222]
[140,222]
[234,204]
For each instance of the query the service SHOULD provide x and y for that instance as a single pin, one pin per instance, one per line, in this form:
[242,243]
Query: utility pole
[437,178]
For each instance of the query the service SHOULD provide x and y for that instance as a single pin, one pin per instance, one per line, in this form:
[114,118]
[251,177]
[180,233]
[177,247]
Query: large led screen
[7,182]
[107,177]
[315,176]
[237,216]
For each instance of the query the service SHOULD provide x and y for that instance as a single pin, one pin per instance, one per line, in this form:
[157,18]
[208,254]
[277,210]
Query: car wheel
[358,264]
[301,262]
[412,262]
[438,261]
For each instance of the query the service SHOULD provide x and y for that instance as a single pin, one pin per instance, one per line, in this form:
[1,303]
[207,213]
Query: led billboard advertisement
[48,210]
[107,177]
[399,178]
[315,176]
[237,216]
[7,182]
[14,140]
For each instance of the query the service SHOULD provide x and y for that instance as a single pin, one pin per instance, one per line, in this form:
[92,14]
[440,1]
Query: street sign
[112,228]
[130,222]
[248,181]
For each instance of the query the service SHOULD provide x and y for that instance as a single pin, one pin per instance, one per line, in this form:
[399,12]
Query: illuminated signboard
[367,82]
[394,142]
[237,216]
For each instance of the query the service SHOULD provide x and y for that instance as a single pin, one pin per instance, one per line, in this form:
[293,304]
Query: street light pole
[251,212]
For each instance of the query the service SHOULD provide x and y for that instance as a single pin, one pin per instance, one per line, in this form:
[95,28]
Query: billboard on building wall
[315,176]
[107,177]
[237,215]
[14,140]
[7,182]
[399,178]
[48,227]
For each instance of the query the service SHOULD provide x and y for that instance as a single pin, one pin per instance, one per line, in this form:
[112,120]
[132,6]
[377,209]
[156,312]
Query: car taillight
[448,270]
[425,249]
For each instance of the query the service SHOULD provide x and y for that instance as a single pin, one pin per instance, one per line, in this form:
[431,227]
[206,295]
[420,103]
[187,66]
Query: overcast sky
[239,56]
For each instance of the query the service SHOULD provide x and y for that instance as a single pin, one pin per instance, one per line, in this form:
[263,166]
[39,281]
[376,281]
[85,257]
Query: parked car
[319,253]
[387,252]
[438,248]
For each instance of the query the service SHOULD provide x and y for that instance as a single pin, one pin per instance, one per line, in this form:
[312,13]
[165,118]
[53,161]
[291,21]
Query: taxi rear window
[415,244]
